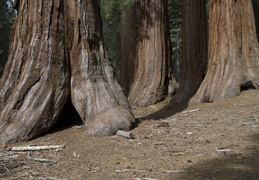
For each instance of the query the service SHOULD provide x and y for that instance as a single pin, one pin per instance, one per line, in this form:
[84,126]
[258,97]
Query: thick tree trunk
[233,52]
[128,48]
[96,94]
[35,84]
[194,49]
[152,69]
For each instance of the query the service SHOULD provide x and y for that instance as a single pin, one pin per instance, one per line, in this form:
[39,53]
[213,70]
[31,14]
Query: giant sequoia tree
[194,49]
[152,73]
[233,51]
[128,35]
[56,52]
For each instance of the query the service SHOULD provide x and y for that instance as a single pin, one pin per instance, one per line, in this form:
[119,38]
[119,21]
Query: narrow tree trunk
[128,48]
[194,49]
[96,94]
[34,86]
[151,79]
[233,52]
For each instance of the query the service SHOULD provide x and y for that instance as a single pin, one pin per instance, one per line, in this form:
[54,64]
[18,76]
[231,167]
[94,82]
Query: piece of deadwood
[125,134]
[37,148]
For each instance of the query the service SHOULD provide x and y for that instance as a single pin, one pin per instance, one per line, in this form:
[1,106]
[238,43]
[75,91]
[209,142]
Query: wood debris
[125,134]
[37,148]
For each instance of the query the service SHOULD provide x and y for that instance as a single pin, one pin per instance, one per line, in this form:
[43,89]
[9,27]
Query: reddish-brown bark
[128,47]
[35,84]
[233,52]
[194,49]
[57,48]
[152,67]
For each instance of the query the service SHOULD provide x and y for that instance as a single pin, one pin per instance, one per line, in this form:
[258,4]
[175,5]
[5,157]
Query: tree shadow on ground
[236,166]
[167,111]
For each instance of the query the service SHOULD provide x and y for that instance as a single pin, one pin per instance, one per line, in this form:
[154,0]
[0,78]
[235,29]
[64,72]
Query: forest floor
[209,141]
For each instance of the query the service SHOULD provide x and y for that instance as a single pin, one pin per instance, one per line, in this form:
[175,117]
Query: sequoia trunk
[35,83]
[194,49]
[96,94]
[57,42]
[233,52]
[152,69]
[128,48]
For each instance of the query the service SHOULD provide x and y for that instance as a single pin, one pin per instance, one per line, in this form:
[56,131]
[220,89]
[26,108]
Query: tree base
[109,122]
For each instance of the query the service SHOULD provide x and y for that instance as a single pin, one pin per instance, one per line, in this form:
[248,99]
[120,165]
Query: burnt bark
[233,63]
[57,52]
[194,49]
[152,63]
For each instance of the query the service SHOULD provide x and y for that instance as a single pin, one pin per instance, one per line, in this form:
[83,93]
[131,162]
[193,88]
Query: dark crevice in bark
[20,102]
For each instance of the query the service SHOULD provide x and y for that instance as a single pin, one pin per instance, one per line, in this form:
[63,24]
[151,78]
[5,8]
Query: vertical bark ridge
[128,34]
[194,48]
[151,72]
[34,87]
[96,94]
[233,52]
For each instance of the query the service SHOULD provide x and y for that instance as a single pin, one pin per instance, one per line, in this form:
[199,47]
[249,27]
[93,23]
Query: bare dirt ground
[209,141]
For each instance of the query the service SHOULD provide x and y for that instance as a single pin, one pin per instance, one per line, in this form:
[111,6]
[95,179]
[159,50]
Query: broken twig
[193,110]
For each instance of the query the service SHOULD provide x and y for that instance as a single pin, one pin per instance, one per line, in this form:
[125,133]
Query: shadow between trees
[167,111]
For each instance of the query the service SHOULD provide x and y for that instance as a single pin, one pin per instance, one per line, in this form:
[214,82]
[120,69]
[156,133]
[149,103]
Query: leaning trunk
[233,52]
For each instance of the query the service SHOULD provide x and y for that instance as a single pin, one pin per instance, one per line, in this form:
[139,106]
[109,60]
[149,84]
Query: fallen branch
[43,160]
[122,171]
[182,171]
[37,148]
[125,134]
[193,110]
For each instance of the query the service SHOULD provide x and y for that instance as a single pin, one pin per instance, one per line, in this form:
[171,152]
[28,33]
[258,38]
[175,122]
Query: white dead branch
[125,134]
[38,148]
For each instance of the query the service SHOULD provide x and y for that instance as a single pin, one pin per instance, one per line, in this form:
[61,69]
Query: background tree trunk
[128,48]
[96,94]
[233,52]
[152,63]
[194,49]
[34,86]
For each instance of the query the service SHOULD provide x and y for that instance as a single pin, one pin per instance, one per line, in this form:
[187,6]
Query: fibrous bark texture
[194,49]
[128,48]
[57,51]
[96,94]
[151,77]
[35,84]
[233,52]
